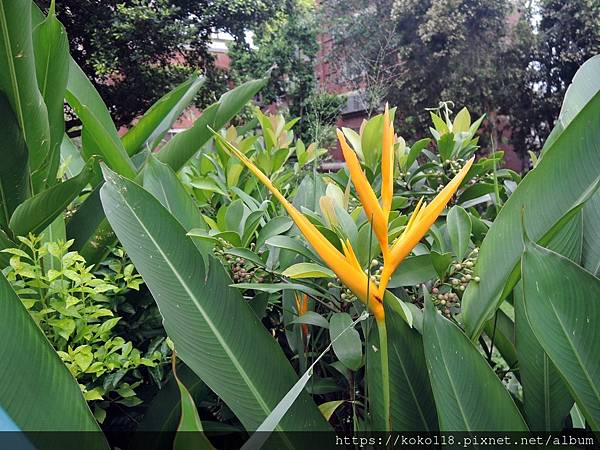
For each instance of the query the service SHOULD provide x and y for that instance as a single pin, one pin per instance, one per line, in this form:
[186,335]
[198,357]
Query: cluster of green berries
[447,294]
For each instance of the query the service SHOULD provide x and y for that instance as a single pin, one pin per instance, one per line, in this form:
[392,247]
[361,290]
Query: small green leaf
[348,347]
[459,229]
[328,408]
[308,270]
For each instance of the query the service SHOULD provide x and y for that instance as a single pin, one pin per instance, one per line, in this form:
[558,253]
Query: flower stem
[385,373]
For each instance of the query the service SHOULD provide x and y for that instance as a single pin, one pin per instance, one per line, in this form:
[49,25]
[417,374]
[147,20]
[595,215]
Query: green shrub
[77,311]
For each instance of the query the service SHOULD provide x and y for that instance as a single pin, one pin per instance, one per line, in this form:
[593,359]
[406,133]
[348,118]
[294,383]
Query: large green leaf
[240,361]
[18,78]
[98,125]
[411,398]
[567,170]
[14,172]
[51,48]
[39,211]
[562,304]
[590,257]
[47,398]
[183,146]
[585,84]
[468,394]
[546,399]
[151,127]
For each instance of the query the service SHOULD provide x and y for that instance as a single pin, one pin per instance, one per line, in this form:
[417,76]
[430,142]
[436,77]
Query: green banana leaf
[47,398]
[152,126]
[183,146]
[51,48]
[14,171]
[162,182]
[569,168]
[198,308]
[39,211]
[468,394]
[190,433]
[98,125]
[18,78]
[562,305]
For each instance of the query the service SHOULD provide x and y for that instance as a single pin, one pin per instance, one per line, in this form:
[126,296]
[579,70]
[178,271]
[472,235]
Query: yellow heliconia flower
[346,265]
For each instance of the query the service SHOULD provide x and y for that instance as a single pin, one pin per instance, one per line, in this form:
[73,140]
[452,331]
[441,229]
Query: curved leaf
[50,387]
[162,182]
[198,308]
[98,125]
[308,270]
[152,126]
[461,378]
[583,87]
[411,398]
[459,229]
[39,211]
[18,78]
[190,434]
[160,419]
[567,170]
[348,346]
[562,304]
[182,147]
[14,171]
[51,48]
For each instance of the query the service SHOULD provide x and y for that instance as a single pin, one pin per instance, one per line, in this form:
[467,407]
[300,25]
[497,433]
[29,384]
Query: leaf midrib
[452,385]
[412,392]
[581,365]
[215,331]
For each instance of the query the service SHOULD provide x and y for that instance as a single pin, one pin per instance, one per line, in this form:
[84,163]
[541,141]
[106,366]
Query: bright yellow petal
[354,278]
[350,255]
[365,193]
[425,217]
[387,163]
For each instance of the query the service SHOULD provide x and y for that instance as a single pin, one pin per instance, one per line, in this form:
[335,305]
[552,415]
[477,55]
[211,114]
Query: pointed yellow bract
[347,271]
[365,192]
[346,265]
[387,163]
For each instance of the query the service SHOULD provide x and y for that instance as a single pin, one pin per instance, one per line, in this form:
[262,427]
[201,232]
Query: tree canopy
[135,50]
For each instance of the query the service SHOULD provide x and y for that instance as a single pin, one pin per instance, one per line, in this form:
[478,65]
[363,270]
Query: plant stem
[385,373]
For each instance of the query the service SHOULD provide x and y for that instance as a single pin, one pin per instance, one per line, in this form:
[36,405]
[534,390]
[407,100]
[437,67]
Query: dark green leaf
[413,271]
[51,48]
[14,171]
[562,305]
[198,306]
[461,378]
[39,211]
[18,78]
[149,130]
[568,169]
[459,229]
